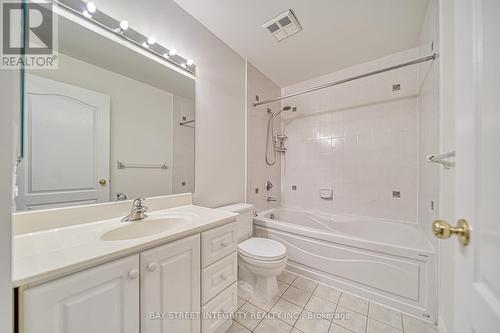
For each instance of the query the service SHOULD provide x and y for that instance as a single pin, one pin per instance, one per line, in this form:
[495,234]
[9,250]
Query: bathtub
[388,262]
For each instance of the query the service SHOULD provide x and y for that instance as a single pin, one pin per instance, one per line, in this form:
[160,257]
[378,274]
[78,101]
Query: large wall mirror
[109,124]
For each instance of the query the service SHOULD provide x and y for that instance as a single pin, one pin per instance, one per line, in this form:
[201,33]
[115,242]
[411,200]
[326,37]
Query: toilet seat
[262,249]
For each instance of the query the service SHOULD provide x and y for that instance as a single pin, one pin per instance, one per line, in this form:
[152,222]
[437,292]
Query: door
[170,287]
[477,103]
[104,299]
[67,138]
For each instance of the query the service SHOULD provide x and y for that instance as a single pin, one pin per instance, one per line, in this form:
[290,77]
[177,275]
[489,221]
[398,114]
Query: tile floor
[306,306]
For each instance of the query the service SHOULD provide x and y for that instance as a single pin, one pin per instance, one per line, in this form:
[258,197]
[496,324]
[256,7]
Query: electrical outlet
[396,87]
[294,187]
[396,194]
[256,190]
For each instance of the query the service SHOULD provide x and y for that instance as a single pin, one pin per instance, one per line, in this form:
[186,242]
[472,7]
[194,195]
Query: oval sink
[144,228]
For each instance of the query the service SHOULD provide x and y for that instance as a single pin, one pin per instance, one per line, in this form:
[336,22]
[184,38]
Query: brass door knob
[443,230]
[102,182]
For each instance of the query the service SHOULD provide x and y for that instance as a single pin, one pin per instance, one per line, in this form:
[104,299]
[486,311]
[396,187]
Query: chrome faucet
[271,199]
[138,211]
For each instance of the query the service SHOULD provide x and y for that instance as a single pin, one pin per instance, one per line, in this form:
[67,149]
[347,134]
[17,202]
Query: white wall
[9,97]
[428,123]
[141,125]
[220,94]
[359,139]
[257,121]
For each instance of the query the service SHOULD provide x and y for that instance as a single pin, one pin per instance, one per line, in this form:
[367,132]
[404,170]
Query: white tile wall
[359,139]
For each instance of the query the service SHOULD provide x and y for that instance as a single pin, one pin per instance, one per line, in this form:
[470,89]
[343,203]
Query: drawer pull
[153,266]
[133,274]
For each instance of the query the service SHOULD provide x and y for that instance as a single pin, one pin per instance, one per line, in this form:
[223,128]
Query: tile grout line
[267,312]
[367,316]
[304,308]
[333,315]
[338,304]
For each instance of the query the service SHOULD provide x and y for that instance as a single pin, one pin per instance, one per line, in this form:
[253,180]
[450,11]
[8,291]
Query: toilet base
[259,280]
[245,290]
[265,288]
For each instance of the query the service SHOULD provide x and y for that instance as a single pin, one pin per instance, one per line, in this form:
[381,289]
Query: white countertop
[48,254]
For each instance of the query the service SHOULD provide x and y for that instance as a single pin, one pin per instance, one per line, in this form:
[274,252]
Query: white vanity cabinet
[104,299]
[186,285]
[219,275]
[170,286]
[149,292]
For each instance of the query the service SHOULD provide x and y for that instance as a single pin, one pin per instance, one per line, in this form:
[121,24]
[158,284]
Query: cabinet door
[104,299]
[170,287]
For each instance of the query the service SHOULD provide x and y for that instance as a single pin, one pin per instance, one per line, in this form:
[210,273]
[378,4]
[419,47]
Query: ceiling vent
[283,25]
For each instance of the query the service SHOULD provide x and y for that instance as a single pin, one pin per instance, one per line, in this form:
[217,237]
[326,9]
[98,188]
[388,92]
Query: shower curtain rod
[360,76]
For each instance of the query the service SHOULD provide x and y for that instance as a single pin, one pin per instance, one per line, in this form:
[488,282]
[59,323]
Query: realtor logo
[29,35]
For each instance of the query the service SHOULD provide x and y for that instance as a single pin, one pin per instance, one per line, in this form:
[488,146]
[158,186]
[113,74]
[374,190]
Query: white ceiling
[337,33]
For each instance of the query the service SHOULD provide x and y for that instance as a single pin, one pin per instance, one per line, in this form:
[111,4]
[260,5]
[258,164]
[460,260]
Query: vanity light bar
[91,12]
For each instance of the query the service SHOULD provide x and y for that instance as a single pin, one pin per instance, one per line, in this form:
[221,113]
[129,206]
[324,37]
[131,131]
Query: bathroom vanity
[174,271]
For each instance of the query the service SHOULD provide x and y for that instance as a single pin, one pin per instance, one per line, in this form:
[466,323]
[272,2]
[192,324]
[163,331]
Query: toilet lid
[262,249]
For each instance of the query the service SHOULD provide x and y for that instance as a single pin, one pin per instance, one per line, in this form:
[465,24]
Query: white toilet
[260,260]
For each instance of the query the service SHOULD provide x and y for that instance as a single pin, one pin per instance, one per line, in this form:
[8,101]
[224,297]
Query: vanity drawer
[217,314]
[218,276]
[218,243]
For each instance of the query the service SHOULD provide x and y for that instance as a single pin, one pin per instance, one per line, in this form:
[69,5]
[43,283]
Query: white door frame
[10,106]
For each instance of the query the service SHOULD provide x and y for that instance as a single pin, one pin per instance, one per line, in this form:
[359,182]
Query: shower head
[286,108]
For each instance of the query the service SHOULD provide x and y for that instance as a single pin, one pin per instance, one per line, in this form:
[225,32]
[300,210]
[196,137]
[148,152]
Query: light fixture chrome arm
[121,29]
[352,78]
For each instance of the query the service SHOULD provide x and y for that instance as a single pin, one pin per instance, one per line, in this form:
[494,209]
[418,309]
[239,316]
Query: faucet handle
[139,206]
[139,202]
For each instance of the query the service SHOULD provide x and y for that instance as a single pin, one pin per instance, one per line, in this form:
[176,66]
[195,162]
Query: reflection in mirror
[108,124]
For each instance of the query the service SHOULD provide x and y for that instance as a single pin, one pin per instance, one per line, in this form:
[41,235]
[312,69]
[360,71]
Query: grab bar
[123,165]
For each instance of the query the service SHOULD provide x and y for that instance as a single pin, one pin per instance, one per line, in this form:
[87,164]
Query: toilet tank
[244,220]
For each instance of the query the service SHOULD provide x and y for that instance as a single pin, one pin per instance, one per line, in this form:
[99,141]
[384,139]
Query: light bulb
[190,62]
[124,25]
[151,40]
[172,52]
[87,14]
[91,7]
